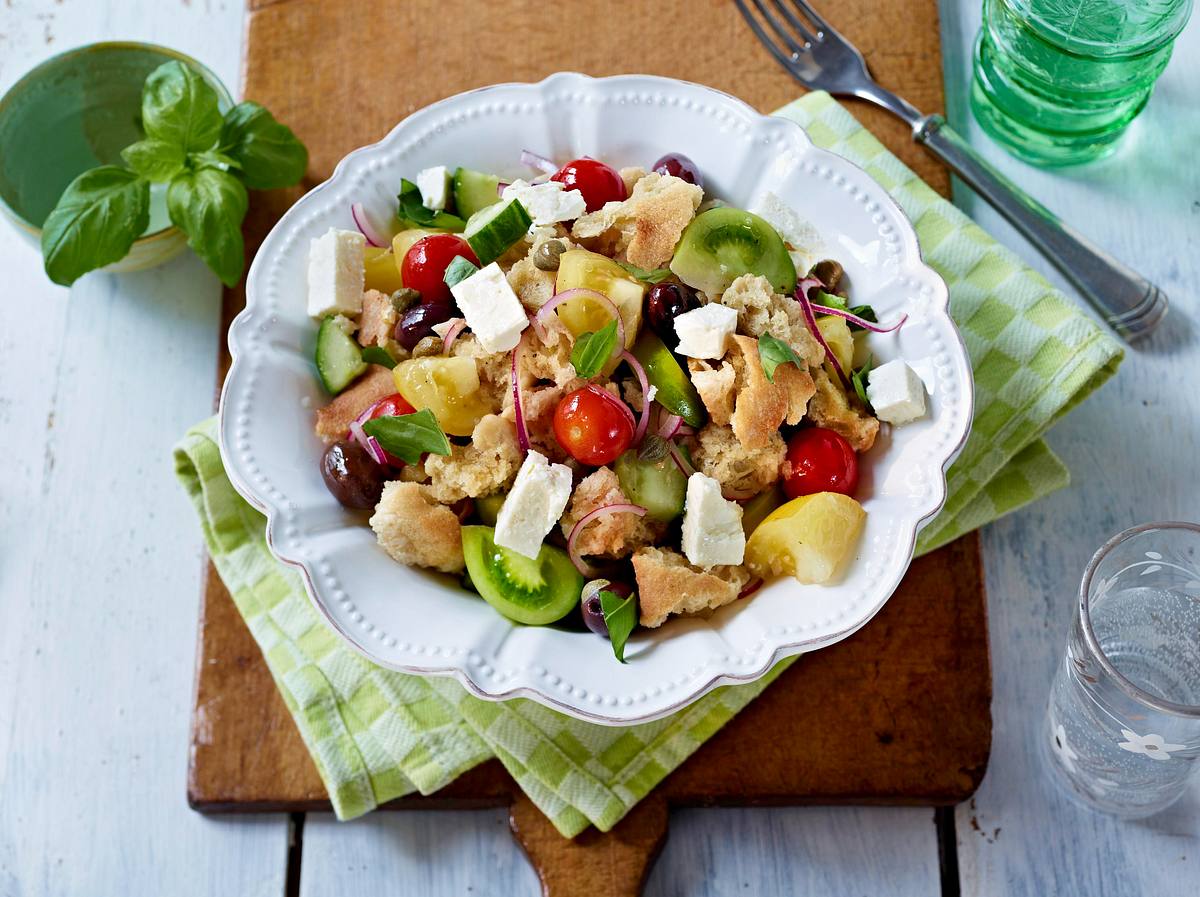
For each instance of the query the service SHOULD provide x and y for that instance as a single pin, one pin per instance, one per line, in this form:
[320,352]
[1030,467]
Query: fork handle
[1127,302]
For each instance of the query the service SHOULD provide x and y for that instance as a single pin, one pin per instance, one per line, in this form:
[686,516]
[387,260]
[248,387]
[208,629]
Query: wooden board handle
[613,863]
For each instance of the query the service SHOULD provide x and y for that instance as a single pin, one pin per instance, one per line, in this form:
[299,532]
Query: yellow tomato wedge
[449,387]
[382,272]
[809,537]
[841,341]
[581,269]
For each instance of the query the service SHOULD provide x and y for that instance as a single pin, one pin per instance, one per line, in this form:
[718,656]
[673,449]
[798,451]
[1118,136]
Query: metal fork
[817,56]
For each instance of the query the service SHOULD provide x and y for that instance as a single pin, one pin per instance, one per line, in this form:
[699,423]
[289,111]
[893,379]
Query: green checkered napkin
[376,735]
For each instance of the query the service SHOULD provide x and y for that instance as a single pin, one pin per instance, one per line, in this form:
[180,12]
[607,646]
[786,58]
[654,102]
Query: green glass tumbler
[1057,82]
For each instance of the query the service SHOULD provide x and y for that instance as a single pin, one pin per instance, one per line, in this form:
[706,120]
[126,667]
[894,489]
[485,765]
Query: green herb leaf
[859,380]
[866,313]
[269,154]
[155,160]
[214,159]
[592,350]
[180,107]
[658,275]
[378,355]
[620,615]
[412,210]
[830,300]
[458,270]
[773,352]
[408,436]
[96,220]
[208,205]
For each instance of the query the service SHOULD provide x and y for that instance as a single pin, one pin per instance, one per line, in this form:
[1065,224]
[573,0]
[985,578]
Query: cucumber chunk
[339,358]
[488,507]
[534,592]
[658,486]
[722,244]
[474,190]
[675,390]
[493,229]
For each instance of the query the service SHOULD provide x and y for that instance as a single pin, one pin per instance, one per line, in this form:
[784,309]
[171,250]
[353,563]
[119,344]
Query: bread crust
[668,584]
[333,421]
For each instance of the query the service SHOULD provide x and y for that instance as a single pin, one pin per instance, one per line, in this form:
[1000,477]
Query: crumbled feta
[335,273]
[712,526]
[896,393]
[537,500]
[704,332]
[546,203]
[805,240]
[651,393]
[434,184]
[493,311]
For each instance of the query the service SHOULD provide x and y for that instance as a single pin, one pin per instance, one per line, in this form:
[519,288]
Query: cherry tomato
[819,460]
[591,425]
[425,264]
[599,183]
[391,406]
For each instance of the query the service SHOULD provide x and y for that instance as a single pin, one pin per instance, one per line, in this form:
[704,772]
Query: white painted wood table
[100,561]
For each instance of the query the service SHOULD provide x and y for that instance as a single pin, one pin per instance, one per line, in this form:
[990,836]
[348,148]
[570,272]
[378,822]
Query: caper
[654,448]
[829,273]
[545,257]
[404,299]
[428,345]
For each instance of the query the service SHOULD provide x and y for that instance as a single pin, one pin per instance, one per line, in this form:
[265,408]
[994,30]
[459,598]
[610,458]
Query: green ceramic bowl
[73,112]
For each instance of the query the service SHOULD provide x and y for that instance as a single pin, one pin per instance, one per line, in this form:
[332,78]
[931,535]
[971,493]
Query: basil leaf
[773,352]
[268,153]
[620,615]
[412,210]
[866,313]
[96,220]
[658,275]
[458,270]
[592,350]
[859,380]
[830,300]
[180,107]
[155,160]
[214,159]
[408,436]
[208,205]
[378,355]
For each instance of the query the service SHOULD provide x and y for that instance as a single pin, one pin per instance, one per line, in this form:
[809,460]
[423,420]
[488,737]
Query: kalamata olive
[593,613]
[664,303]
[418,322]
[352,476]
[680,166]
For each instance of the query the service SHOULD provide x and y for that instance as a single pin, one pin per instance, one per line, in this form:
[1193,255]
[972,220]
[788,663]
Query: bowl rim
[27,79]
[788,648]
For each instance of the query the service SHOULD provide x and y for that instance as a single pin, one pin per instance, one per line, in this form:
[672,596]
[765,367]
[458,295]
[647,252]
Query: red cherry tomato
[819,460]
[425,264]
[599,183]
[391,406]
[592,426]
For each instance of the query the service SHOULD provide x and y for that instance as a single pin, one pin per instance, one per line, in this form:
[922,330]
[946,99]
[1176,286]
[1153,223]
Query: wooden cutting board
[899,713]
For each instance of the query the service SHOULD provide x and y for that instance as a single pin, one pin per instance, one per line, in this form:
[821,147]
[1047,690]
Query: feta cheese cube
[538,498]
[434,184]
[493,311]
[704,332]
[805,240]
[712,526]
[335,273]
[546,203]
[896,393]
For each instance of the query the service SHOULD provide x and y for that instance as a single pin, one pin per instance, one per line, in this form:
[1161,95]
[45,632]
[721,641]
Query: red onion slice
[644,418]
[541,163]
[680,461]
[811,320]
[857,321]
[750,588]
[669,426]
[457,327]
[500,188]
[377,236]
[515,376]
[685,430]
[369,443]
[543,313]
[580,564]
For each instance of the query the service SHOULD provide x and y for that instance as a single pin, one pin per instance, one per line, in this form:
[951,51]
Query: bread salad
[599,397]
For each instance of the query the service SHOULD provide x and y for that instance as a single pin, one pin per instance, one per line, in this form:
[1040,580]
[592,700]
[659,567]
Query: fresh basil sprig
[413,211]
[206,161]
[620,616]
[458,270]
[658,275]
[773,352]
[592,350]
[408,436]
[378,355]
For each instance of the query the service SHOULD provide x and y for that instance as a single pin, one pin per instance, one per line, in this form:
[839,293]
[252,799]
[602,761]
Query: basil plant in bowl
[204,162]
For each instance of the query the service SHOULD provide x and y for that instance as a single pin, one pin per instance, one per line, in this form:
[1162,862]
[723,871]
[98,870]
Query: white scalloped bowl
[417,622]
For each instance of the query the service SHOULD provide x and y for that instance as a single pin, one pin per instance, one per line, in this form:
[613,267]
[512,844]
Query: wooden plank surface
[99,555]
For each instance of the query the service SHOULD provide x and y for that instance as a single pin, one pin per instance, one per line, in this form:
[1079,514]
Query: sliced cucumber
[534,592]
[488,507]
[675,390]
[721,245]
[659,487]
[493,229]
[339,358]
[474,190]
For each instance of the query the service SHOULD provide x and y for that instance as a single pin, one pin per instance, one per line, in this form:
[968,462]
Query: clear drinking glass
[1058,81]
[1123,724]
